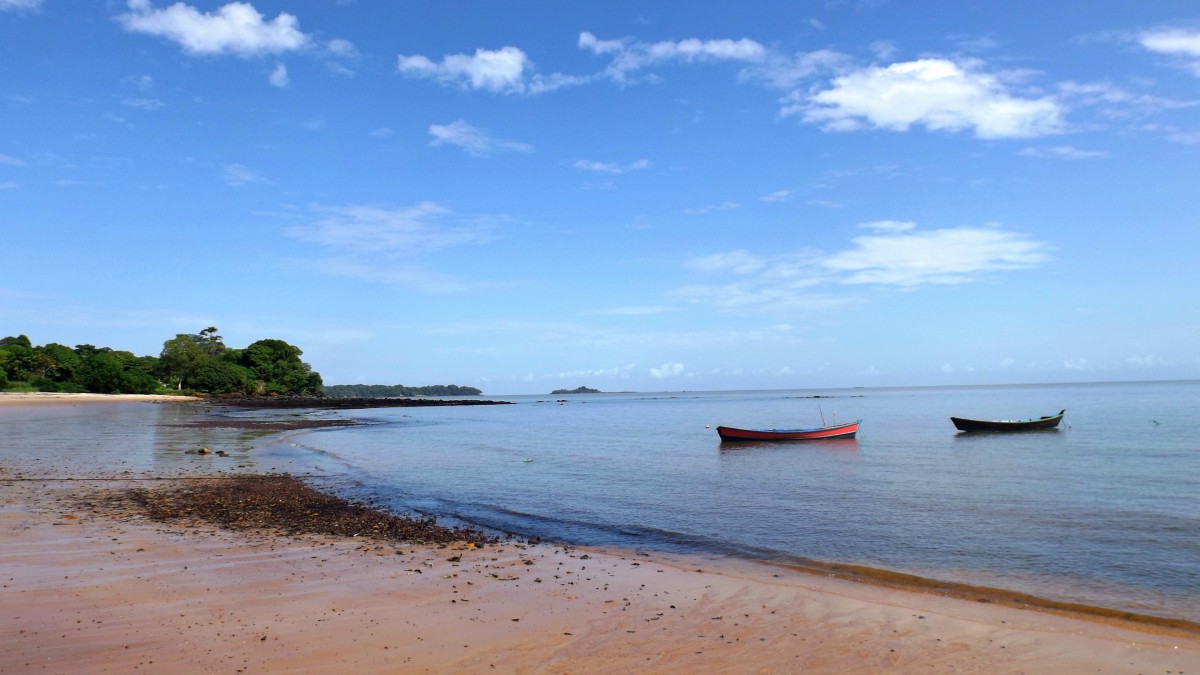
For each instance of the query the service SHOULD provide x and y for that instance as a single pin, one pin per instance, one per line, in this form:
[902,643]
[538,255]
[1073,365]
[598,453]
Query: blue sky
[649,196]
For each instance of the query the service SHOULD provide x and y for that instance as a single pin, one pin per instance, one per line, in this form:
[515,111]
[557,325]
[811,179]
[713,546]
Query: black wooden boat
[1047,422]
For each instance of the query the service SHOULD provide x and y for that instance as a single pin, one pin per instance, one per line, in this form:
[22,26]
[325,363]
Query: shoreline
[121,593]
[124,592]
[12,398]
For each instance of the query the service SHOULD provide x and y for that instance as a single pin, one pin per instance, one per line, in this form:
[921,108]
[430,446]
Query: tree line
[397,391]
[188,363]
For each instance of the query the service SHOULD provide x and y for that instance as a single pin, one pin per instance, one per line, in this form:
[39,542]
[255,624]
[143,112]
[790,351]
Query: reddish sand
[86,593]
[83,593]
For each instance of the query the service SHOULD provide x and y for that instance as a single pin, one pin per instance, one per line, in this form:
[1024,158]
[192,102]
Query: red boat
[816,433]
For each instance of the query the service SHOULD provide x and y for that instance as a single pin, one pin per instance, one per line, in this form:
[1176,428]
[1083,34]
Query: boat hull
[1041,423]
[814,434]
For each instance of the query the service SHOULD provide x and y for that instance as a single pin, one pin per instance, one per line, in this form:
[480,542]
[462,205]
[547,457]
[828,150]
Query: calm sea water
[1104,511]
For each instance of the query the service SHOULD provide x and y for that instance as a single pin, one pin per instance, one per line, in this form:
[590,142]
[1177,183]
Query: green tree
[220,377]
[101,373]
[180,358]
[20,340]
[278,368]
[19,360]
[62,362]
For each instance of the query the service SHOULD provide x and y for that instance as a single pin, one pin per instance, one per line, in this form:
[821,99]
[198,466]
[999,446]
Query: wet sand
[91,589]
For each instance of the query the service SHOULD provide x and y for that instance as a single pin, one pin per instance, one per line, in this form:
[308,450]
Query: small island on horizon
[577,390]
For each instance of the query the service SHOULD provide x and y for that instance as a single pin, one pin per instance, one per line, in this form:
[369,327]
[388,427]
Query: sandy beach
[51,398]
[89,591]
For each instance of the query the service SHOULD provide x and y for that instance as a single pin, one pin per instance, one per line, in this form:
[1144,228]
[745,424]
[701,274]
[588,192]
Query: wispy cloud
[473,140]
[1181,44]
[895,254]
[238,175]
[9,160]
[1062,152]
[777,196]
[903,256]
[668,370]
[236,28]
[610,167]
[641,310]
[9,185]
[279,76]
[629,56]
[14,5]
[144,103]
[938,94]
[709,208]
[507,70]
[415,229]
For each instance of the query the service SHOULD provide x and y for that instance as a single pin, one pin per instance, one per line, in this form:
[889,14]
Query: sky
[629,196]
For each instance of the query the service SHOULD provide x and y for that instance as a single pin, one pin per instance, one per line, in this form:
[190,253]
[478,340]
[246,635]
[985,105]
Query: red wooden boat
[847,430]
[1047,422]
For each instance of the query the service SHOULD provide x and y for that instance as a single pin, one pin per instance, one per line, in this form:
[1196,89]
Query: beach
[90,590]
[53,398]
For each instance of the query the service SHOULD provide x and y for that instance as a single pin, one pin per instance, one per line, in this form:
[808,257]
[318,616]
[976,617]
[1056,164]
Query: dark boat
[815,433]
[1047,422]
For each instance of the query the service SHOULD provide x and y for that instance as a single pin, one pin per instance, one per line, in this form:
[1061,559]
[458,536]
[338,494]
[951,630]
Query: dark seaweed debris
[284,503]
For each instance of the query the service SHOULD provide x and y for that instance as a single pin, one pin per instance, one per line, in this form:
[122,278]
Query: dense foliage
[197,362]
[397,391]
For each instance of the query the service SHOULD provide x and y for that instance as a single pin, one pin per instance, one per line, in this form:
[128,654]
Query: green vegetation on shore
[188,363]
[397,390]
[577,390]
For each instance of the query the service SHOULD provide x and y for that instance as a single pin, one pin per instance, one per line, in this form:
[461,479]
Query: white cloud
[888,226]
[629,56]
[375,229]
[903,257]
[279,76]
[777,196]
[238,175]
[342,48]
[9,160]
[938,94]
[382,132]
[738,262]
[1146,361]
[1180,43]
[475,141]
[610,167]
[1076,364]
[1062,152]
[14,5]
[709,208]
[144,103]
[502,70]
[236,28]
[667,370]
[787,72]
[896,255]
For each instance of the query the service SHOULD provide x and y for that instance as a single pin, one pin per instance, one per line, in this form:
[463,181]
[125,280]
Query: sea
[1103,511]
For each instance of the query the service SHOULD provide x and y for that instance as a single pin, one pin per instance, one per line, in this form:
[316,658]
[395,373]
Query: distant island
[397,390]
[577,390]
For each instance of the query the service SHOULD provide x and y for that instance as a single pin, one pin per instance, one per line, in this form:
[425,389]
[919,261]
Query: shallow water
[1103,511]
